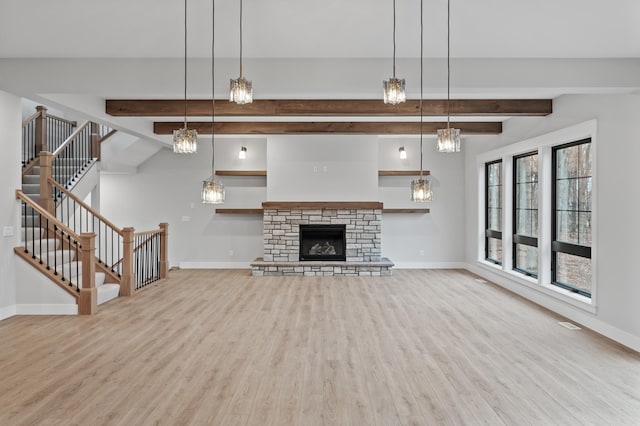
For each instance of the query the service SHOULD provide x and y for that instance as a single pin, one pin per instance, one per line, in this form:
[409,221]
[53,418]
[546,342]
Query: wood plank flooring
[224,348]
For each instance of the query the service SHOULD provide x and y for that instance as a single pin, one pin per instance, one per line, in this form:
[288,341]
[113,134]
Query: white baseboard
[576,314]
[215,265]
[7,312]
[47,309]
[430,265]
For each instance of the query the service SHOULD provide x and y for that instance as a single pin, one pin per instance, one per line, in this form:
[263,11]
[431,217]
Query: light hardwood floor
[224,348]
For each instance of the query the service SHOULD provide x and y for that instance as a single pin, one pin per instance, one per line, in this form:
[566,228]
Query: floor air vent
[569,325]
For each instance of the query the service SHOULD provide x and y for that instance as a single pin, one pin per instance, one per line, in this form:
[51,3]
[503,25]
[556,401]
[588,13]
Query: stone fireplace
[284,248]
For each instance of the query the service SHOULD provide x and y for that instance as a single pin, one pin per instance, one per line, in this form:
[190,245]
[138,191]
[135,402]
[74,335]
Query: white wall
[617,204]
[167,188]
[431,240]
[322,168]
[10,137]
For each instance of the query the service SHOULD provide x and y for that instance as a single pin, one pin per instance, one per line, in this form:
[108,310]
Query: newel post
[95,140]
[164,252]
[88,300]
[128,279]
[41,129]
[46,189]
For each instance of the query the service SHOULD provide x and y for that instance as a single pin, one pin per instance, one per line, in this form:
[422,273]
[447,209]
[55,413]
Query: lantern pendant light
[394,87]
[212,190]
[421,188]
[449,138]
[185,141]
[241,90]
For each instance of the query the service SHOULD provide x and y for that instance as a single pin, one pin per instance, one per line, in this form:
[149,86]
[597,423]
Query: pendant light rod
[421,82]
[394,38]
[240,38]
[448,63]
[185,64]
[213,95]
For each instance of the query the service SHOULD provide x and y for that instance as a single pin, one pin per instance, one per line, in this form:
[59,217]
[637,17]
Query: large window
[571,204]
[525,214]
[493,229]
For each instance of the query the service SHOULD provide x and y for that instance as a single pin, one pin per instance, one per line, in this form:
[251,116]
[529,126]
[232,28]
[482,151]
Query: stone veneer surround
[282,222]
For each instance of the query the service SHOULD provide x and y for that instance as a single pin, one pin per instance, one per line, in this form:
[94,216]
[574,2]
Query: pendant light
[394,87]
[421,188]
[212,190]
[241,91]
[448,139]
[185,141]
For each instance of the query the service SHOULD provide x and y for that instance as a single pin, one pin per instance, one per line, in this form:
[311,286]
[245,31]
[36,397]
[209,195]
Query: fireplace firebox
[322,242]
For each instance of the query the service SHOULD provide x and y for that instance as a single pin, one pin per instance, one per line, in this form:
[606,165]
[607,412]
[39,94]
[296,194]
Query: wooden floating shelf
[403,172]
[420,211]
[239,211]
[321,205]
[241,172]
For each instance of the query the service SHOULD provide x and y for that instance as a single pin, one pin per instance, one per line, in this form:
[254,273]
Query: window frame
[491,233]
[561,246]
[517,238]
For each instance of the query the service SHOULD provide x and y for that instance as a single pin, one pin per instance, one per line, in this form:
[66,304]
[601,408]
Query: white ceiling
[320,29]
[73,54]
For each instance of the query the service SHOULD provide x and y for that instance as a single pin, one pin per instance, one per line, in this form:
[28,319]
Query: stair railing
[56,250]
[42,132]
[134,260]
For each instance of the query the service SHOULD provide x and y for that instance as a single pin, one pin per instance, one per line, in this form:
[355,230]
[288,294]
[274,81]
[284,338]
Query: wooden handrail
[147,233]
[108,135]
[20,195]
[85,205]
[70,138]
[26,122]
[150,234]
[64,120]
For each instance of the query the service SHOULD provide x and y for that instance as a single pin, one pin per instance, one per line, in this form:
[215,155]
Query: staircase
[63,237]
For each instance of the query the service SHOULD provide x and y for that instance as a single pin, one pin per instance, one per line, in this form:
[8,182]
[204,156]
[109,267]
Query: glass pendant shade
[394,91]
[241,91]
[212,192]
[185,141]
[421,191]
[448,140]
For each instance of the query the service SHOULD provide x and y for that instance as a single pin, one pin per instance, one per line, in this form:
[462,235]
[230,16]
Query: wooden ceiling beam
[327,107]
[339,127]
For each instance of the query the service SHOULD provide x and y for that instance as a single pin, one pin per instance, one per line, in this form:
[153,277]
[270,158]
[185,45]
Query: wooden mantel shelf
[320,205]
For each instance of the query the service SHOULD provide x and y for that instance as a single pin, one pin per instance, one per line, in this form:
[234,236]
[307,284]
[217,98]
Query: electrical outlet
[421,252]
[231,253]
[324,169]
[7,231]
[315,169]
[186,218]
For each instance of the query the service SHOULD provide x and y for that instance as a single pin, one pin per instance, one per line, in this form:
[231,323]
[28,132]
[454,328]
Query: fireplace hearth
[322,242]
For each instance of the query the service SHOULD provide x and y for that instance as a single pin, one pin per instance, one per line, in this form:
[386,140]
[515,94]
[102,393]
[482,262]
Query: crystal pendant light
[394,87]
[448,139]
[241,91]
[212,190]
[185,141]
[421,188]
